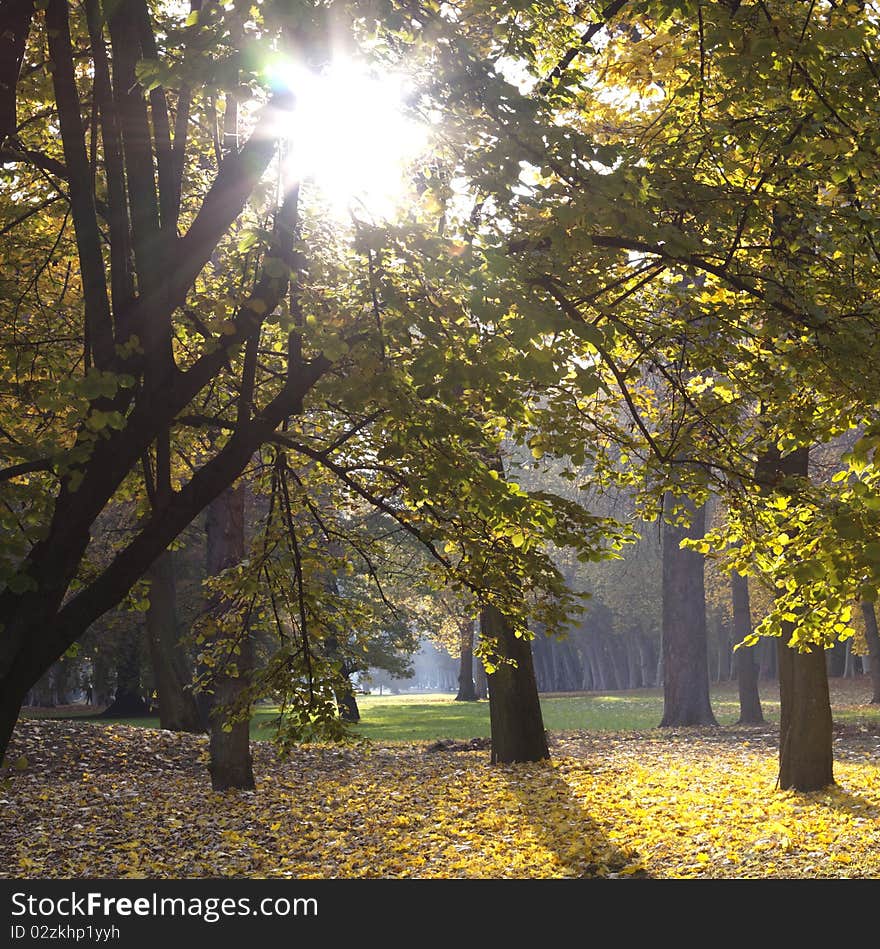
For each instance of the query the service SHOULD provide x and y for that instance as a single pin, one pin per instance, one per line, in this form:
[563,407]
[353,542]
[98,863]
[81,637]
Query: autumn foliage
[118,802]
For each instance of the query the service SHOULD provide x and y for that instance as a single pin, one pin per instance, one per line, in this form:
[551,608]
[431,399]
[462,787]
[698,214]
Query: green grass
[428,717]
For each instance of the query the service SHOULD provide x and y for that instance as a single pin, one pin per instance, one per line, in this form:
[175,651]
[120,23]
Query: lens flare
[350,137]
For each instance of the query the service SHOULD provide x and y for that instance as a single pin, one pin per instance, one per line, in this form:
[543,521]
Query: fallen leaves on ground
[113,801]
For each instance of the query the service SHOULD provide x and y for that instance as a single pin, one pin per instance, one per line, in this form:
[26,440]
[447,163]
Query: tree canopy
[640,243]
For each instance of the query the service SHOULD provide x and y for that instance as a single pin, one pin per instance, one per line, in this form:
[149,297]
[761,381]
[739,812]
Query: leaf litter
[81,800]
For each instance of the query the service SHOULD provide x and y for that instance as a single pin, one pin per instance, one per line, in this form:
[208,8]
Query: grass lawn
[427,717]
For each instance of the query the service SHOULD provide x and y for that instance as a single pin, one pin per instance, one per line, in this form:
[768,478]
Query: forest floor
[86,800]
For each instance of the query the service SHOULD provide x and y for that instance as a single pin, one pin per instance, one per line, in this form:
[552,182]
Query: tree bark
[344,692]
[231,766]
[685,648]
[873,639]
[805,728]
[177,705]
[467,690]
[516,722]
[750,711]
[348,707]
[15,24]
[481,681]
[767,659]
[805,724]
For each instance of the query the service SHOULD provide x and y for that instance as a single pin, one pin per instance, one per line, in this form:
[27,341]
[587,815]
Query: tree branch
[99,322]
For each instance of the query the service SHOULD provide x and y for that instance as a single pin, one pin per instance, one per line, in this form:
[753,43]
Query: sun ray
[350,136]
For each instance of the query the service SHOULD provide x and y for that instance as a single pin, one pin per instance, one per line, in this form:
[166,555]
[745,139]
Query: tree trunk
[481,681]
[128,702]
[835,660]
[617,652]
[750,711]
[634,677]
[571,661]
[873,639]
[348,707]
[648,661]
[516,721]
[15,22]
[10,706]
[178,711]
[467,690]
[230,765]
[849,662]
[805,736]
[805,724]
[542,663]
[596,669]
[685,647]
[606,662]
[767,659]
[343,691]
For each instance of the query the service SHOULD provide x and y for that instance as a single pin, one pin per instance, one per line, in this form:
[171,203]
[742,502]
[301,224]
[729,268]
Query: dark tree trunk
[230,765]
[348,707]
[805,735]
[129,701]
[873,639]
[750,711]
[62,682]
[481,681]
[767,659]
[467,690]
[100,679]
[343,691]
[178,711]
[10,706]
[685,647]
[806,754]
[15,22]
[516,721]
[835,660]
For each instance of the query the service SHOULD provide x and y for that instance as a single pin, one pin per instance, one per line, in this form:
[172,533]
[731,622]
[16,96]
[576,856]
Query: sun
[350,136]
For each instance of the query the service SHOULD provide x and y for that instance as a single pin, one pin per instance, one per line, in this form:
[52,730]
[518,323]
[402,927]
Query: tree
[514,708]
[467,690]
[230,763]
[176,369]
[133,386]
[695,214]
[685,657]
[129,700]
[178,710]
[705,217]
[750,712]
[873,639]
